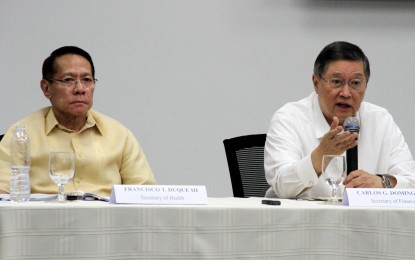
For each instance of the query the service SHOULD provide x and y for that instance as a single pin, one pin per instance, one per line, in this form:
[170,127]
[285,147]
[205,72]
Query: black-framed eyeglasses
[337,83]
[70,82]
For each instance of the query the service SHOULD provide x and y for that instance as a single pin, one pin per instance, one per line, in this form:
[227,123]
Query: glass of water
[61,170]
[334,172]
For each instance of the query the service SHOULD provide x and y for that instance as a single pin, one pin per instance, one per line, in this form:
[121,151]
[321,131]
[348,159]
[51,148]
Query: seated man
[302,132]
[107,153]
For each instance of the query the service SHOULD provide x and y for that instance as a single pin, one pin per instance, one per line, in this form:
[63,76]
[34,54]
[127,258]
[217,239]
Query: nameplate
[379,197]
[159,194]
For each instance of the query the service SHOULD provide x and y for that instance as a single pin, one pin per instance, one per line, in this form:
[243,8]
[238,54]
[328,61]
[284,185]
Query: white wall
[184,75]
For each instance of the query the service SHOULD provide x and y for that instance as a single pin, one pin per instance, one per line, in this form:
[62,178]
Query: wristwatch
[386,181]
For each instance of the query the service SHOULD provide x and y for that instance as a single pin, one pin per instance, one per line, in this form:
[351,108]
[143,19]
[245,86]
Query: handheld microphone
[352,125]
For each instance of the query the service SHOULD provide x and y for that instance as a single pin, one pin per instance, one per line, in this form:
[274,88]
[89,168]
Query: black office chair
[1,137]
[245,155]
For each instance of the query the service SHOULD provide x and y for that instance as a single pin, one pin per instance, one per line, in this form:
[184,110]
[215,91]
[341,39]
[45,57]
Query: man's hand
[362,179]
[333,143]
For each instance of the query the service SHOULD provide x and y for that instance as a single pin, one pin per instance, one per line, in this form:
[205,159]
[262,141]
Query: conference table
[225,228]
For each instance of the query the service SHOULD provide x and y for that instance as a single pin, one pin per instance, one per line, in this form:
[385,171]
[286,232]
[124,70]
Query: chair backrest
[245,155]
[1,137]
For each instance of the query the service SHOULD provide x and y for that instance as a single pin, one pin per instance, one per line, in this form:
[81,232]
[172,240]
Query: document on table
[33,197]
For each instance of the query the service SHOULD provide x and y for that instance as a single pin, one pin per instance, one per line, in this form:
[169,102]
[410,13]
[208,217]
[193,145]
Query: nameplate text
[379,197]
[159,194]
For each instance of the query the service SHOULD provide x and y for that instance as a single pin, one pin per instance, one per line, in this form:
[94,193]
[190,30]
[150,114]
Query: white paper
[33,197]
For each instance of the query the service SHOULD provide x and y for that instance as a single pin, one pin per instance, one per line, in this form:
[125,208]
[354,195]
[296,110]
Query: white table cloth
[226,228]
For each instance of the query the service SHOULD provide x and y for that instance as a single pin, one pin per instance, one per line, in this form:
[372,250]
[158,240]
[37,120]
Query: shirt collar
[52,122]
[321,125]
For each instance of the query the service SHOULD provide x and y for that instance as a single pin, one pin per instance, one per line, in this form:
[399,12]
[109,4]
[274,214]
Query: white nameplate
[159,194]
[379,197]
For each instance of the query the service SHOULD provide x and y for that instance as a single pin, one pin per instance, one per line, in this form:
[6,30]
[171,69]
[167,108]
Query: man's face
[343,101]
[75,100]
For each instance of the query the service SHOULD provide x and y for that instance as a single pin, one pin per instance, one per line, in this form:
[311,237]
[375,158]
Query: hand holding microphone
[334,142]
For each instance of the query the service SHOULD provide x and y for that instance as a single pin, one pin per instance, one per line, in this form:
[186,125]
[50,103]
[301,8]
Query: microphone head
[351,124]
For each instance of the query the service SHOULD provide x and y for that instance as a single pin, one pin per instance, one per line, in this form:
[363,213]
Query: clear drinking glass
[334,172]
[61,170]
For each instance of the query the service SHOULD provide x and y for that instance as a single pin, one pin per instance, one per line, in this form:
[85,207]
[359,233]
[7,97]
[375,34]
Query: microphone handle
[351,159]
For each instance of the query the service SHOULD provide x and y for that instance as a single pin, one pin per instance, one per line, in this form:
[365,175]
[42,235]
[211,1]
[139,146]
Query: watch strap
[385,181]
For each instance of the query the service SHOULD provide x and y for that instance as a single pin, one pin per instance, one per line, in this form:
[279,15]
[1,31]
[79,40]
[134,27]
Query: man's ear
[45,86]
[314,78]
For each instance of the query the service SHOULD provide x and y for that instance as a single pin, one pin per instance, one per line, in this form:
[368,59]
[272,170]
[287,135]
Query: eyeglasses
[70,82]
[355,84]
